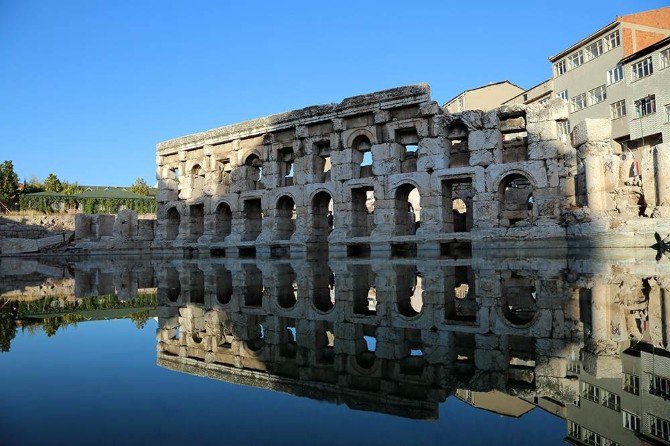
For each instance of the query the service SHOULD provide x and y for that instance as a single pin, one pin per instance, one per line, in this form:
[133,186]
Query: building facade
[486,97]
[591,75]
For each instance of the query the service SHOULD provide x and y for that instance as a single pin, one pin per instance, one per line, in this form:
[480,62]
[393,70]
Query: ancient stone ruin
[392,173]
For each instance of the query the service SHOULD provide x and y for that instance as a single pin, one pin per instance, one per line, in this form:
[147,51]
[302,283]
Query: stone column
[592,137]
[662,177]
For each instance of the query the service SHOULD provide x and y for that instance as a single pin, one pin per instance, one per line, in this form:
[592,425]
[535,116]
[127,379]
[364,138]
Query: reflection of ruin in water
[584,339]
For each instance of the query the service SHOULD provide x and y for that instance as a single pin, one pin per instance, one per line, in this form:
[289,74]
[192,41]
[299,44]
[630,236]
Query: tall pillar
[592,137]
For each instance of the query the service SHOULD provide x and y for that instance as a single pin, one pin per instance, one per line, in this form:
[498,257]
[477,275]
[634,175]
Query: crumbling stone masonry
[399,175]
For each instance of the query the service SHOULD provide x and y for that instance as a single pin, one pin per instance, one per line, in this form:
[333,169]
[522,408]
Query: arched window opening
[516,201]
[285,218]
[253,286]
[288,345]
[173,221]
[172,285]
[324,291]
[287,292]
[407,210]
[255,174]
[286,163]
[409,139]
[322,160]
[363,210]
[196,221]
[253,219]
[519,301]
[365,302]
[224,218]
[459,152]
[224,285]
[515,138]
[410,292]
[414,362]
[366,346]
[197,287]
[362,155]
[256,339]
[461,306]
[323,220]
[325,342]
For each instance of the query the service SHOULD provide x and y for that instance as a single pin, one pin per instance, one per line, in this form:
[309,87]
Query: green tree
[53,184]
[7,326]
[33,185]
[140,187]
[70,188]
[9,181]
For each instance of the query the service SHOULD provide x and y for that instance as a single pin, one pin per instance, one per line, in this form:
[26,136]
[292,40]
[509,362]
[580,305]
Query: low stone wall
[34,225]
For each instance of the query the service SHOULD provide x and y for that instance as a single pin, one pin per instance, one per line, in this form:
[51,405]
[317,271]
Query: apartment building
[486,97]
[590,73]
[646,108]
[541,93]
[628,405]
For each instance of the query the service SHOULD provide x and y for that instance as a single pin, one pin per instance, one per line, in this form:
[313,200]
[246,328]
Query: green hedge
[87,205]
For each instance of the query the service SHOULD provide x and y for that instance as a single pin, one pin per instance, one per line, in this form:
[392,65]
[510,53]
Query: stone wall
[268,184]
[34,226]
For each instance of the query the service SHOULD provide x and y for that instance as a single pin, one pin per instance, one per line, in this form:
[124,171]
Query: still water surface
[474,351]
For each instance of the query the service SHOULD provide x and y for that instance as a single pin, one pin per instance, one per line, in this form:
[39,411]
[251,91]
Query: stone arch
[459,152]
[518,304]
[253,160]
[356,134]
[324,291]
[361,153]
[410,292]
[515,195]
[407,207]
[321,211]
[285,217]
[224,218]
[172,222]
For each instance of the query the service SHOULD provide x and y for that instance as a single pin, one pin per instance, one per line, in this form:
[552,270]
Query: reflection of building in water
[57,293]
[586,340]
[577,338]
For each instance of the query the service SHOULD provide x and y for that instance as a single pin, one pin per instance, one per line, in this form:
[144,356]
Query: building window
[563,127]
[597,95]
[631,421]
[461,103]
[645,106]
[591,392]
[576,59]
[614,75]
[594,50]
[578,102]
[574,430]
[563,95]
[631,383]
[659,386]
[642,68]
[611,400]
[544,101]
[667,113]
[665,58]
[559,67]
[590,438]
[618,110]
[658,427]
[612,40]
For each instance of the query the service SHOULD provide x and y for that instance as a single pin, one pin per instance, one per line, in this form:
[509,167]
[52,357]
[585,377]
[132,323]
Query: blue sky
[87,88]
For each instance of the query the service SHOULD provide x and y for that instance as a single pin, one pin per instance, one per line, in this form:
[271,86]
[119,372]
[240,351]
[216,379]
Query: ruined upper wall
[385,99]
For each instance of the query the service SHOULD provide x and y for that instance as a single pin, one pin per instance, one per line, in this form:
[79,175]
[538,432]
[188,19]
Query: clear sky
[87,88]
